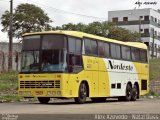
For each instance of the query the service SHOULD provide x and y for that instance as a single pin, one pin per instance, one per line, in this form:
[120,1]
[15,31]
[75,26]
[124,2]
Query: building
[15,56]
[145,21]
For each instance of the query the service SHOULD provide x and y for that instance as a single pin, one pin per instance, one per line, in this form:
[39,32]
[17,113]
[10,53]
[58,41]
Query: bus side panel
[91,74]
[143,77]
[74,83]
[144,81]
[120,73]
[104,85]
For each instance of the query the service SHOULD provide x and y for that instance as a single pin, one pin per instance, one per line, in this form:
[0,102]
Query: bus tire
[134,93]
[128,92]
[82,94]
[43,100]
[100,99]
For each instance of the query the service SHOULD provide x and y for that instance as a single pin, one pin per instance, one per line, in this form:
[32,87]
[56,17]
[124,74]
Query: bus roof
[82,34]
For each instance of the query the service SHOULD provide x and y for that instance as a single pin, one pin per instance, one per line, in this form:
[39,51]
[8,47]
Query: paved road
[142,105]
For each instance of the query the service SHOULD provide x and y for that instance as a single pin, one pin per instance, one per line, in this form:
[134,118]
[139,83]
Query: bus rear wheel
[82,94]
[134,93]
[128,95]
[43,100]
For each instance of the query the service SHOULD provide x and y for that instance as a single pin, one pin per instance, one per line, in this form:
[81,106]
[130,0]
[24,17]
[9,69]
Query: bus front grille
[40,84]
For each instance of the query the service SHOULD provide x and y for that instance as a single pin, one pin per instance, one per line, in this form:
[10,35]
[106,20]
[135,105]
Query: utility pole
[153,44]
[10,37]
[139,28]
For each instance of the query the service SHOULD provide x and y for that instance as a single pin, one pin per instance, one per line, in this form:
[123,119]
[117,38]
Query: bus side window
[101,50]
[135,52]
[107,50]
[91,47]
[71,45]
[74,45]
[94,47]
[87,44]
[126,53]
[118,51]
[74,55]
[115,51]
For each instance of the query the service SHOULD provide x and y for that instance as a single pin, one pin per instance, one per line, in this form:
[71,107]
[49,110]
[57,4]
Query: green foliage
[154,69]
[9,98]
[152,93]
[123,34]
[8,81]
[104,29]
[26,18]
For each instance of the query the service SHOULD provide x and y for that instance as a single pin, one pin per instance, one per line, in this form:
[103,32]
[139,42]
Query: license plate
[39,92]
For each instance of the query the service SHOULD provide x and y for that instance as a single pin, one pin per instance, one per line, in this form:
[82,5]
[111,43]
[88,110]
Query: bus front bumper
[41,93]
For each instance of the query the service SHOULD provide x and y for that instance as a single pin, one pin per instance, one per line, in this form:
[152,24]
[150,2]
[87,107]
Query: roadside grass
[15,97]
[154,69]
[152,93]
[8,86]
[8,81]
[9,98]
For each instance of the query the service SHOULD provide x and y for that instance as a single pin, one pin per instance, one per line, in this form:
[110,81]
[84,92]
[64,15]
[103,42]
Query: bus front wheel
[43,100]
[82,94]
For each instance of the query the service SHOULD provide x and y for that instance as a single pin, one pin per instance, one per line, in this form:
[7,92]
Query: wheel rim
[128,92]
[135,93]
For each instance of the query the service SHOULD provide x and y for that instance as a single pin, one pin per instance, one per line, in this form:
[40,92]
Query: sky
[75,11]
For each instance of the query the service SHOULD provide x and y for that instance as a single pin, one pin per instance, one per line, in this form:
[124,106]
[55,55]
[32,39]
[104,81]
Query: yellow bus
[72,64]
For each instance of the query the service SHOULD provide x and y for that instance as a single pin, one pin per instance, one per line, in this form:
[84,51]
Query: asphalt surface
[111,106]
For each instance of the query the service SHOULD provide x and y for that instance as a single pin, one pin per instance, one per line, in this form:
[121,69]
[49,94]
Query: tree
[104,29]
[123,34]
[26,18]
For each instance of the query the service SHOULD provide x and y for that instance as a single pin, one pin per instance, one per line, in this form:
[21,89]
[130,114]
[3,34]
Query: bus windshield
[54,60]
[45,53]
[30,61]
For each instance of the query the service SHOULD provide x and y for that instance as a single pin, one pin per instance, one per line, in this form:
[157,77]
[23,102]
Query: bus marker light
[54,92]
[49,93]
[58,92]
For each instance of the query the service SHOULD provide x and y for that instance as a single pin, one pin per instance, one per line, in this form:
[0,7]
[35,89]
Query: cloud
[4,6]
